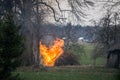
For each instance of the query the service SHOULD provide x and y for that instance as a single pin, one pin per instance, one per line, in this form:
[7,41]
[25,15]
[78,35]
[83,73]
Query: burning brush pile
[52,54]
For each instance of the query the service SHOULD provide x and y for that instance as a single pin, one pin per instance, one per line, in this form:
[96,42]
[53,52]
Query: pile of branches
[67,58]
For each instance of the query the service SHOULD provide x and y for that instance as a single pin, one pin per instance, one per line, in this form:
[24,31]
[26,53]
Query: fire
[51,54]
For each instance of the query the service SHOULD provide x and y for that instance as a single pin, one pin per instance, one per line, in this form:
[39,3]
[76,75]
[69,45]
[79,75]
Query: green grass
[72,73]
[86,57]
[85,71]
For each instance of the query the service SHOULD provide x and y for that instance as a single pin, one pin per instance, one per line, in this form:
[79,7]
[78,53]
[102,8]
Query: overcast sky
[94,13]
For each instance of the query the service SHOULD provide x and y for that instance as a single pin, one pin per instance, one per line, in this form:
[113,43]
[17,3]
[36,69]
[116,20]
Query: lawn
[72,73]
[86,58]
[85,71]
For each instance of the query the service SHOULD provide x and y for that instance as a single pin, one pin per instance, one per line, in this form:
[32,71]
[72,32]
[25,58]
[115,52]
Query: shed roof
[115,46]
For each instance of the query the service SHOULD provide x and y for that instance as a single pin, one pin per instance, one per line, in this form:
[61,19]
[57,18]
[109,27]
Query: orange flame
[51,54]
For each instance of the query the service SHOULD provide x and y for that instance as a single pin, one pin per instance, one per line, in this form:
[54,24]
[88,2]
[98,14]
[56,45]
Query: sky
[93,13]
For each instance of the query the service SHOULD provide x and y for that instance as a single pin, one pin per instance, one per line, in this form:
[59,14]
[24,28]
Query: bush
[76,49]
[71,56]
[67,58]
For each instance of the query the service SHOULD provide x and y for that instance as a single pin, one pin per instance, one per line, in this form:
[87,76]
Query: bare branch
[50,7]
[58,4]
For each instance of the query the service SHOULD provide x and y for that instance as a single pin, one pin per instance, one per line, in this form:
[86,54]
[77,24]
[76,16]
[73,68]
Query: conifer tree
[11,47]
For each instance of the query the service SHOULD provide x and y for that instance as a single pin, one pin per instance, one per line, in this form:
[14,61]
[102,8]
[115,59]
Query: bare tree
[108,36]
[31,15]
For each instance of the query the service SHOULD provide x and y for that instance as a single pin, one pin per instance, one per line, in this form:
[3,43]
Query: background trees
[32,14]
[108,37]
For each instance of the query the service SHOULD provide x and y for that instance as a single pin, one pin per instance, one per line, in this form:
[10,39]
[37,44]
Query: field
[72,73]
[86,57]
[85,71]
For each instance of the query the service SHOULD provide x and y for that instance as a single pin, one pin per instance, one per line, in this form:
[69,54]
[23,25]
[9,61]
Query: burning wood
[50,54]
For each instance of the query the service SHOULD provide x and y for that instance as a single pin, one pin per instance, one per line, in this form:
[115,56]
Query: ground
[85,71]
[86,58]
[71,73]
